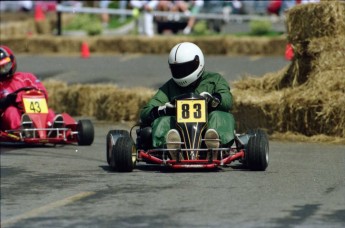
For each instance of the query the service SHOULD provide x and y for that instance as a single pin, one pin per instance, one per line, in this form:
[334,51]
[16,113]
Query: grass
[267,34]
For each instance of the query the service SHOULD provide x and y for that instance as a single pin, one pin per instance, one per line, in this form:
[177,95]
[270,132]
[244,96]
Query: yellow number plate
[35,105]
[191,111]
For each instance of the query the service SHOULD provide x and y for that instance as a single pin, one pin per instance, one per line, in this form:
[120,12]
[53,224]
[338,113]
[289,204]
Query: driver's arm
[37,83]
[7,100]
[159,99]
[223,89]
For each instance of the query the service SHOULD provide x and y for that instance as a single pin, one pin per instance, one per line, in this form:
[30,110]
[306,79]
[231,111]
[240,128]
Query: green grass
[267,34]
[115,23]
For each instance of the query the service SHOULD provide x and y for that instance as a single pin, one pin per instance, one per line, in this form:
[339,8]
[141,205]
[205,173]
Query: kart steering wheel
[27,88]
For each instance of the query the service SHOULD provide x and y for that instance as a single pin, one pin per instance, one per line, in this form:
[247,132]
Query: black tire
[86,132]
[123,157]
[112,137]
[257,150]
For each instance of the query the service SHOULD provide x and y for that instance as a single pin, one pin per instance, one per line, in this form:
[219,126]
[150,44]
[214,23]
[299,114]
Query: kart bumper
[196,163]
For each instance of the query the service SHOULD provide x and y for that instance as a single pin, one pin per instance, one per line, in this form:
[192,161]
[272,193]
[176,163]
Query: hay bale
[122,104]
[106,45]
[313,56]
[266,83]
[313,112]
[308,21]
[310,109]
[56,95]
[103,101]
[252,110]
[255,46]
[43,27]
[328,53]
[316,107]
[14,29]
[297,137]
[42,44]
[157,45]
[18,44]
[211,45]
[70,45]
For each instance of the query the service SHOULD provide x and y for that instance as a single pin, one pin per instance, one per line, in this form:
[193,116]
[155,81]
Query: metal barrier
[225,17]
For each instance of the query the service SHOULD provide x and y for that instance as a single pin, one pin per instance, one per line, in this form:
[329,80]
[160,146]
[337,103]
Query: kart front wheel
[256,155]
[123,157]
[86,132]
[112,137]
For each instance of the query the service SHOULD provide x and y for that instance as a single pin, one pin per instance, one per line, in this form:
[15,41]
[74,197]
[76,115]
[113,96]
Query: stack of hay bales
[307,97]
[103,101]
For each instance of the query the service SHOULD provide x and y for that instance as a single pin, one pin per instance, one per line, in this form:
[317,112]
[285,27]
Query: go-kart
[251,149]
[34,104]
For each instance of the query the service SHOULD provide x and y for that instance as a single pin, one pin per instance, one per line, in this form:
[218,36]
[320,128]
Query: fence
[207,16]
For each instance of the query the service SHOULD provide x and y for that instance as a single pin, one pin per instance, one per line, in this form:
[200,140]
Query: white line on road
[130,57]
[45,208]
[254,58]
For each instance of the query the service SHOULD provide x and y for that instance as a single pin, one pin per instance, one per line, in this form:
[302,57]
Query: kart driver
[11,117]
[187,67]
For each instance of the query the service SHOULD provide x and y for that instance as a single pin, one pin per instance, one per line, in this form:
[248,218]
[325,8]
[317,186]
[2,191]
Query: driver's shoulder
[24,75]
[211,74]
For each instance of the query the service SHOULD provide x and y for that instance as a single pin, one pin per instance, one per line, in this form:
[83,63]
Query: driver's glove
[8,100]
[213,100]
[168,109]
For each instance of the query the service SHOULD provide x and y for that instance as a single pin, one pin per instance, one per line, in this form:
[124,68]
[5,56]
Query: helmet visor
[5,65]
[181,70]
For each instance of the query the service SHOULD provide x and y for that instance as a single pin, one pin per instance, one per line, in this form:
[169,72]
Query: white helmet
[186,62]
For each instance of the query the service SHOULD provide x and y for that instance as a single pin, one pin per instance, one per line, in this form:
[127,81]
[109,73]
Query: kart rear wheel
[123,157]
[112,138]
[86,132]
[256,154]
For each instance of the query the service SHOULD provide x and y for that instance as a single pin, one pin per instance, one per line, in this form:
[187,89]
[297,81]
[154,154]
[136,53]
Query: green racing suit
[219,118]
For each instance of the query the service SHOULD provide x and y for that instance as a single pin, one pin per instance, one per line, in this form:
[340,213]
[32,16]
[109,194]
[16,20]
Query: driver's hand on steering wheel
[8,100]
[11,98]
[213,100]
[168,109]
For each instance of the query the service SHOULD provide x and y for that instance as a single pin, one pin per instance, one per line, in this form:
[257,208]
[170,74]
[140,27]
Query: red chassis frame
[184,164]
[67,134]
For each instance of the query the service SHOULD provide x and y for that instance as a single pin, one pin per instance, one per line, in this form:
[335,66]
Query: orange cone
[85,52]
[39,15]
[289,53]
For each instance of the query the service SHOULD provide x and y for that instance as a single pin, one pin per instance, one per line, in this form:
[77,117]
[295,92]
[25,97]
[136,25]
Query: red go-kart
[34,104]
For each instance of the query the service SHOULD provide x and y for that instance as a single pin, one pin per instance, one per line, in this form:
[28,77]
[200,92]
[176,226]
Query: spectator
[237,7]
[190,8]
[309,1]
[260,7]
[104,4]
[123,6]
[146,21]
[274,7]
[287,4]
[26,6]
[216,7]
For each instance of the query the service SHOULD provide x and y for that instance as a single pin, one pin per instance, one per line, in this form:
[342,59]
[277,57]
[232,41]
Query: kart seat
[144,137]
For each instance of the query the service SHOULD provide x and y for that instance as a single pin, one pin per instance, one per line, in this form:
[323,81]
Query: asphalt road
[139,70]
[71,186]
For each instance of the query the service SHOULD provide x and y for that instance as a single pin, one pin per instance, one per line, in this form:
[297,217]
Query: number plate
[35,105]
[191,111]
